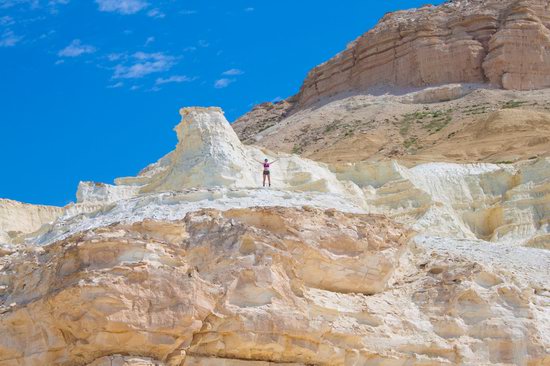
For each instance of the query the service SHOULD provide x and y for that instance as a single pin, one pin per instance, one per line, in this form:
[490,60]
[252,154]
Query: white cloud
[9,39]
[203,43]
[115,56]
[144,64]
[223,83]
[188,12]
[233,72]
[33,4]
[174,79]
[156,13]
[125,7]
[75,49]
[120,84]
[6,20]
[149,40]
[249,9]
[4,4]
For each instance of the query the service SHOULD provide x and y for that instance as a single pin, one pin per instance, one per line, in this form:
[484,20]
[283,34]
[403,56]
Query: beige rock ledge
[258,286]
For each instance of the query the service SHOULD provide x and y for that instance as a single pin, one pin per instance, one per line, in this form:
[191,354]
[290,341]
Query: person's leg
[264,179]
[269,179]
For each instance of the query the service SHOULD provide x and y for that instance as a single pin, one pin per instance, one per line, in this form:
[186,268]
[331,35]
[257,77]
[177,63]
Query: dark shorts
[266,172]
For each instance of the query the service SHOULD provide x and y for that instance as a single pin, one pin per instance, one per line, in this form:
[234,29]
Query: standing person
[267,173]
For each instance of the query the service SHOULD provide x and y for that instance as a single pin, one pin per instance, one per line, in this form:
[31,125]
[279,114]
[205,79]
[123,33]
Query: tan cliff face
[17,218]
[503,42]
[415,86]
[273,285]
[350,264]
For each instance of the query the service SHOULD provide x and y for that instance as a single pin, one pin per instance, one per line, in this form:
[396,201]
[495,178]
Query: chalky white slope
[193,263]
[491,202]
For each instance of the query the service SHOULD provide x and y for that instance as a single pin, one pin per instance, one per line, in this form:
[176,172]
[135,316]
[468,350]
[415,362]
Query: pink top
[266,166]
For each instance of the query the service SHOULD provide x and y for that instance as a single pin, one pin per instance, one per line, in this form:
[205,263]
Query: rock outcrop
[296,286]
[17,218]
[262,117]
[433,54]
[450,123]
[209,154]
[505,43]
[496,203]
[190,263]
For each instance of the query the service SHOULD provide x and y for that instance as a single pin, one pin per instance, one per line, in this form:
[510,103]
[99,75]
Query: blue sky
[90,89]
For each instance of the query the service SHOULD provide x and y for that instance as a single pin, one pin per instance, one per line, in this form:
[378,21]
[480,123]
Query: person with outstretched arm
[267,173]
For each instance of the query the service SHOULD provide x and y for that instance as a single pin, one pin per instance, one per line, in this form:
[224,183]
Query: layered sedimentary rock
[190,263]
[296,286]
[505,43]
[498,203]
[18,218]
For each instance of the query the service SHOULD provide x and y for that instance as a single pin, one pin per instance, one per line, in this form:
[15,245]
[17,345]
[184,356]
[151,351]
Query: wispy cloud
[5,4]
[149,40]
[125,7]
[143,64]
[156,13]
[9,38]
[174,79]
[120,84]
[6,21]
[188,12]
[51,5]
[116,56]
[75,49]
[249,9]
[233,72]
[203,43]
[223,83]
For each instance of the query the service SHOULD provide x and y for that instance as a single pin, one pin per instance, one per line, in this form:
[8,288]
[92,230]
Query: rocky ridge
[189,263]
[399,90]
[505,43]
[452,123]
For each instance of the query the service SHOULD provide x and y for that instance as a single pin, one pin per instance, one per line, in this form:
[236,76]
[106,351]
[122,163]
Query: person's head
[265,160]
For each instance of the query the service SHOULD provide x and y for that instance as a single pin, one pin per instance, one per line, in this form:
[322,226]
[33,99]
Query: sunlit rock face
[356,264]
[498,203]
[210,155]
[17,219]
[503,42]
[295,286]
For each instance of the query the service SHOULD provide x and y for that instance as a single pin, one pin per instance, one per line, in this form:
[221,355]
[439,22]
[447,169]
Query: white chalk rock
[209,154]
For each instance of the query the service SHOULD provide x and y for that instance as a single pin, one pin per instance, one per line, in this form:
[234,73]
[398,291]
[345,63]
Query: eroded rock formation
[189,263]
[302,286]
[17,219]
[505,43]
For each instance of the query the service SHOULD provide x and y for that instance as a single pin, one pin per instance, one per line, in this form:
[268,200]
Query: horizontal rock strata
[506,43]
[261,286]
